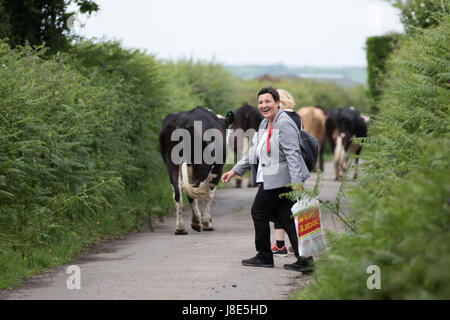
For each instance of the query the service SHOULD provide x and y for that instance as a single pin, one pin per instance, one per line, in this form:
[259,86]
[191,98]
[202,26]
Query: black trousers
[268,206]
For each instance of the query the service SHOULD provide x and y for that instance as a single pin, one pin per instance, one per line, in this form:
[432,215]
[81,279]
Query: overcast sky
[236,32]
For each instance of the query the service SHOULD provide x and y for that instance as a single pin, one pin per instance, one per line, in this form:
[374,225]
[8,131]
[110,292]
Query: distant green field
[346,76]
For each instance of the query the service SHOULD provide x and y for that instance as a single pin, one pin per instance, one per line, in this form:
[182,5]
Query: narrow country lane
[160,265]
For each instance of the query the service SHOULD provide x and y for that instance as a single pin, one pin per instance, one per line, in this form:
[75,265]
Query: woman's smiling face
[267,106]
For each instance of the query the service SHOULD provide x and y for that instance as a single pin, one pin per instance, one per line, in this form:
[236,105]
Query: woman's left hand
[228,175]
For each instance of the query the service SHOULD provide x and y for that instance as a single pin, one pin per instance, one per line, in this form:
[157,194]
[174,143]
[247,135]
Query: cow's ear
[229,118]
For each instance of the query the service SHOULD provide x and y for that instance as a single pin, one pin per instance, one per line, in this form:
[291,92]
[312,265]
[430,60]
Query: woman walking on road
[275,160]
[287,104]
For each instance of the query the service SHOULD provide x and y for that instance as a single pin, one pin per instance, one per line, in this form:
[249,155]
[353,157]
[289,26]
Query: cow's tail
[200,192]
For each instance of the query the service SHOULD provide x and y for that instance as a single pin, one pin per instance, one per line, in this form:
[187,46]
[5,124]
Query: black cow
[187,167]
[342,126]
[245,117]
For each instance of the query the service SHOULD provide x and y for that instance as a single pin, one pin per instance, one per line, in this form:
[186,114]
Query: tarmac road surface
[198,266]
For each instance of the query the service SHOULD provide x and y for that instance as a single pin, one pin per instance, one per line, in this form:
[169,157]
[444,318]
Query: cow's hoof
[196,227]
[209,229]
[180,232]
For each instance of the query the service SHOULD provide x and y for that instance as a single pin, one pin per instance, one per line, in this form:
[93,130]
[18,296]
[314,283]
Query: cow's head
[366,119]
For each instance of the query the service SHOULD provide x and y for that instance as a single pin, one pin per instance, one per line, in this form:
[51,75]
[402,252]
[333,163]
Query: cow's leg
[355,149]
[196,215]
[178,200]
[180,225]
[317,165]
[336,163]
[247,148]
[206,212]
[238,178]
[355,175]
[358,151]
[339,157]
[321,151]
[333,142]
[238,182]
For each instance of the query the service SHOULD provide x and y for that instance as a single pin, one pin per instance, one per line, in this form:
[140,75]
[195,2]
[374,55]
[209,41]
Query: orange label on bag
[309,222]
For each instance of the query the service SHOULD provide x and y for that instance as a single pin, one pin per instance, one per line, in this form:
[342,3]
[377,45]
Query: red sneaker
[276,250]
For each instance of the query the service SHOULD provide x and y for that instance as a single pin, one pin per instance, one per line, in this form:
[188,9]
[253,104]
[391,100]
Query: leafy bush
[209,83]
[142,99]
[54,130]
[401,206]
[40,22]
[378,51]
[308,93]
[421,13]
[73,148]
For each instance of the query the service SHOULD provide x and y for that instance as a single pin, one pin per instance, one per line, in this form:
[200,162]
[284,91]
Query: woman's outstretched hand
[228,175]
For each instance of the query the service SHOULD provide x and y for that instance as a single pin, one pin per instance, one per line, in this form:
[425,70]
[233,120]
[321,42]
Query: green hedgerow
[401,205]
[78,151]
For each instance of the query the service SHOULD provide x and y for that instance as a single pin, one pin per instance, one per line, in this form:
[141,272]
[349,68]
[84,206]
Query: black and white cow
[185,141]
[342,126]
[245,117]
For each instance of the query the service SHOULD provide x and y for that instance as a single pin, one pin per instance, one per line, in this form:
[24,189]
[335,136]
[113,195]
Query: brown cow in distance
[313,120]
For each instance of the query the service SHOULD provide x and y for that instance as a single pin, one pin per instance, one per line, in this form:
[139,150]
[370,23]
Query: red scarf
[268,137]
